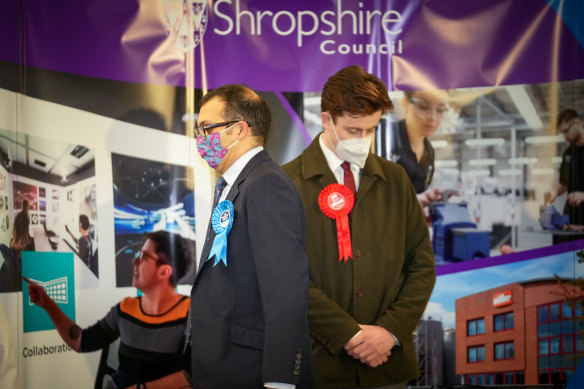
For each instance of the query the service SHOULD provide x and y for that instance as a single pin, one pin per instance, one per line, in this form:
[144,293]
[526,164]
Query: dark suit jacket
[387,282]
[249,319]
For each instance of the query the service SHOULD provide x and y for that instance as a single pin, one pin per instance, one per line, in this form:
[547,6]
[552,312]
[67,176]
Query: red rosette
[336,201]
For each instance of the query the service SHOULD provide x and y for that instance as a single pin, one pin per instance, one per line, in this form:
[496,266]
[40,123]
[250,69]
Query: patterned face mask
[210,148]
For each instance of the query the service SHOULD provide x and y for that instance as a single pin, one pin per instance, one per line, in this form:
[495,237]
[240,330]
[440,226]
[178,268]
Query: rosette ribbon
[221,221]
[336,201]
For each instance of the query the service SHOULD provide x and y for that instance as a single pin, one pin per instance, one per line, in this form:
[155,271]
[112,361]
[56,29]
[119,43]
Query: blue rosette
[221,221]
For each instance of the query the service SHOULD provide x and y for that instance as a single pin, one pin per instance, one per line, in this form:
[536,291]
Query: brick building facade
[520,333]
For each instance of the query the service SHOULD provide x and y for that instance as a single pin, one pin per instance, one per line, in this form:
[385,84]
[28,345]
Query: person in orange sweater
[151,327]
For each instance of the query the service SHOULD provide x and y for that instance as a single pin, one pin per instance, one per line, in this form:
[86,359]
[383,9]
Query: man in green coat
[365,301]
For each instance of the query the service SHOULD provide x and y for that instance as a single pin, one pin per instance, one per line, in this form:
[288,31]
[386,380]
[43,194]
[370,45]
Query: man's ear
[243,130]
[165,271]
[325,119]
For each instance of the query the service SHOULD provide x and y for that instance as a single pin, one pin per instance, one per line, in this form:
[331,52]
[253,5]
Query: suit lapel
[207,245]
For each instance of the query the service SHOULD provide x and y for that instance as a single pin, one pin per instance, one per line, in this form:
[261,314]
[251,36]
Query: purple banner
[296,45]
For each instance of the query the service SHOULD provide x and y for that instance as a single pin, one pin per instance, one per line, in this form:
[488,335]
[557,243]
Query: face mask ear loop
[334,130]
[228,128]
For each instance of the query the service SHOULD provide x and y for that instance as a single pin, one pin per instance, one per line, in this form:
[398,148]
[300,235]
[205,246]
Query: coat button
[359,293]
[357,253]
[299,355]
[296,372]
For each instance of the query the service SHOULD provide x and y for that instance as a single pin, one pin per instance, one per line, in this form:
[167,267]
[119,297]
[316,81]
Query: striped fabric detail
[131,306]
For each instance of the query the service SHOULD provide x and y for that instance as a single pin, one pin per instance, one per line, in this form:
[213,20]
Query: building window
[476,354]
[520,378]
[542,314]
[504,351]
[475,327]
[503,321]
[506,378]
[559,341]
[480,379]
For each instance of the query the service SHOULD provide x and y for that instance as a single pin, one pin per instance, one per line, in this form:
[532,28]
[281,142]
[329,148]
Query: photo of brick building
[520,333]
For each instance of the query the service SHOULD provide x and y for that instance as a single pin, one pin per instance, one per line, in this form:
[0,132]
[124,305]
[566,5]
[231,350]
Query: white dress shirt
[233,172]
[335,162]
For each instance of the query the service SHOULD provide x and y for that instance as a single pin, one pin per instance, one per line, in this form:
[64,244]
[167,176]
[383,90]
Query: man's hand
[575,198]
[37,294]
[372,346]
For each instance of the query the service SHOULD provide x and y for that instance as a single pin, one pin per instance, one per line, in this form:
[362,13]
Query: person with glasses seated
[249,326]
[407,141]
[151,327]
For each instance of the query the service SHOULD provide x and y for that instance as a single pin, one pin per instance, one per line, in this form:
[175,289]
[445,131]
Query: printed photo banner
[296,45]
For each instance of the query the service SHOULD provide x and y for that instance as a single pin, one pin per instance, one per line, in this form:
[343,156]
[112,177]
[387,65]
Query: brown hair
[566,115]
[354,91]
[20,238]
[242,103]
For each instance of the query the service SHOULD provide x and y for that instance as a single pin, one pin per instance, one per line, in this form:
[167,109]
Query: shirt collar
[331,158]
[333,161]
[233,172]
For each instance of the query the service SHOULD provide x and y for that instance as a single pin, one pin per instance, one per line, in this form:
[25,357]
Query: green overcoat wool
[387,282]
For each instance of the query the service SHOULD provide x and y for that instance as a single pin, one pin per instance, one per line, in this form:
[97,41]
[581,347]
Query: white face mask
[353,150]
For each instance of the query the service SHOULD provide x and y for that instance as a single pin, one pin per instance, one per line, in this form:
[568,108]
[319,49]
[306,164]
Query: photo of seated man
[150,327]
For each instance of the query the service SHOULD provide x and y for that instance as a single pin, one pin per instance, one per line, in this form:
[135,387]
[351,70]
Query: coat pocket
[247,336]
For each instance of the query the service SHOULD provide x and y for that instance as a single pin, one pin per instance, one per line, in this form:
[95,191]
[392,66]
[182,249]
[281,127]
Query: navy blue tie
[221,184]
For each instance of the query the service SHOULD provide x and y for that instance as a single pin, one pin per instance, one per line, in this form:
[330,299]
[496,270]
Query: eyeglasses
[427,110]
[204,130]
[142,255]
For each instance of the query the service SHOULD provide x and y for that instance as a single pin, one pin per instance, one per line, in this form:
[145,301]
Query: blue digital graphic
[53,271]
[135,217]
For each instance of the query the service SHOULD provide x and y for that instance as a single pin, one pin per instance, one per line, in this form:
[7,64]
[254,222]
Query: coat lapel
[371,172]
[315,164]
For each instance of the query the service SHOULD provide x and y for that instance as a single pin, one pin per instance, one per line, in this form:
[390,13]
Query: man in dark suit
[249,306]
[366,297]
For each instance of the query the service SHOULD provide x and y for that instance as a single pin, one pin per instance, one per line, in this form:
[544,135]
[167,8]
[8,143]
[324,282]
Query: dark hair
[356,92]
[84,220]
[20,238]
[174,247]
[242,103]
[566,115]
